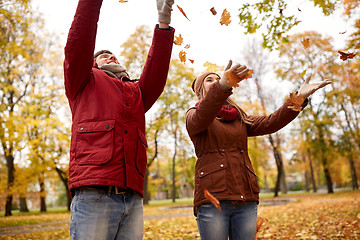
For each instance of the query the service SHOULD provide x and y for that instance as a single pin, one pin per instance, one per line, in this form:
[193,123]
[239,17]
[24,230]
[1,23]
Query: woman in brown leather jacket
[219,129]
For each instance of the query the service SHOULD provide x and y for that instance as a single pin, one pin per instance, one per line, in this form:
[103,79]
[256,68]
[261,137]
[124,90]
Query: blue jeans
[235,221]
[98,215]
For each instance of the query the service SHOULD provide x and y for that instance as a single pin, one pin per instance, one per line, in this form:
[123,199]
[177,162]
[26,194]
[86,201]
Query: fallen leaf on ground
[295,101]
[234,79]
[225,18]
[182,11]
[259,222]
[212,199]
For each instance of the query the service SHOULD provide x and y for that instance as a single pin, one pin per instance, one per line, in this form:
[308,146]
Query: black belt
[107,189]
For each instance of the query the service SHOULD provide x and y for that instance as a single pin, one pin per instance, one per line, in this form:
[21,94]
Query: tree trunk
[306,174]
[10,183]
[146,192]
[354,180]
[312,175]
[22,203]
[65,181]
[42,195]
[329,182]
[280,180]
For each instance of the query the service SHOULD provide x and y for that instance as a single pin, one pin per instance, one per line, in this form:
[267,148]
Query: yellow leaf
[225,18]
[178,40]
[182,56]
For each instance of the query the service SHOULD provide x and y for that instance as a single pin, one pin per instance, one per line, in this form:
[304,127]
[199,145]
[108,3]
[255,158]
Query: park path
[51,226]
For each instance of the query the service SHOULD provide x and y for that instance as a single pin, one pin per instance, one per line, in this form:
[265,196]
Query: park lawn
[309,216]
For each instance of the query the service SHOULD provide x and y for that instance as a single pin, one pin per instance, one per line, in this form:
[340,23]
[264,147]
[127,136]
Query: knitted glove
[239,70]
[164,10]
[309,88]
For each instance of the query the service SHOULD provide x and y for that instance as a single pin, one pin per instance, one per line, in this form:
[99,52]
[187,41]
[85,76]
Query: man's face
[106,58]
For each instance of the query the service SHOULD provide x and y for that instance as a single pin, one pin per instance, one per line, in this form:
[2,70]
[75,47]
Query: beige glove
[239,70]
[164,10]
[309,88]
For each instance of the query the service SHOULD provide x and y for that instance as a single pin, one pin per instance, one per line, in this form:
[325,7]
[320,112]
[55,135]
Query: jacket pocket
[95,142]
[141,158]
[213,176]
[253,180]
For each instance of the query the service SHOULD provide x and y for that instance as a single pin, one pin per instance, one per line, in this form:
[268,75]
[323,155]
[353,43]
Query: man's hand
[238,71]
[309,88]
[164,11]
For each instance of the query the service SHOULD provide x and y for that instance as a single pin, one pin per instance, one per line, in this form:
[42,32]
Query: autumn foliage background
[318,152]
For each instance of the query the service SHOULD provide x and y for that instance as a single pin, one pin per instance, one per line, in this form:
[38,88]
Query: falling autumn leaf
[212,199]
[213,11]
[123,1]
[225,18]
[345,56]
[178,40]
[342,32]
[295,101]
[192,61]
[299,9]
[187,46]
[234,79]
[303,73]
[182,56]
[182,11]
[306,43]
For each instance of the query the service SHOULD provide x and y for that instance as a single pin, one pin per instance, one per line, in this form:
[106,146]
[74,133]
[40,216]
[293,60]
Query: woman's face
[209,81]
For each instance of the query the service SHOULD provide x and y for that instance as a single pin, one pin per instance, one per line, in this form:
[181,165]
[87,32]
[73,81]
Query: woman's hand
[238,72]
[309,88]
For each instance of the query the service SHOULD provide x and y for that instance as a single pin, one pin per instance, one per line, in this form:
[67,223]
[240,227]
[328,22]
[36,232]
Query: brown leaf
[213,11]
[182,56]
[192,61]
[182,11]
[212,199]
[345,56]
[178,40]
[295,101]
[234,79]
[225,18]
[306,43]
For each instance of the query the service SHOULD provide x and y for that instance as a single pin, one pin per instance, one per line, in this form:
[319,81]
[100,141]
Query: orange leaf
[123,1]
[213,11]
[178,40]
[192,61]
[212,199]
[295,101]
[182,11]
[306,42]
[225,18]
[182,56]
[259,222]
[234,78]
[187,46]
[345,56]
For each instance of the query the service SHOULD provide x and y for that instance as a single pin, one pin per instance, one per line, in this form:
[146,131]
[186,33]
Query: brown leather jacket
[223,166]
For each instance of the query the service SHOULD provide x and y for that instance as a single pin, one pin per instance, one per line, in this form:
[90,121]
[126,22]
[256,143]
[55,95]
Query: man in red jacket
[108,145]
